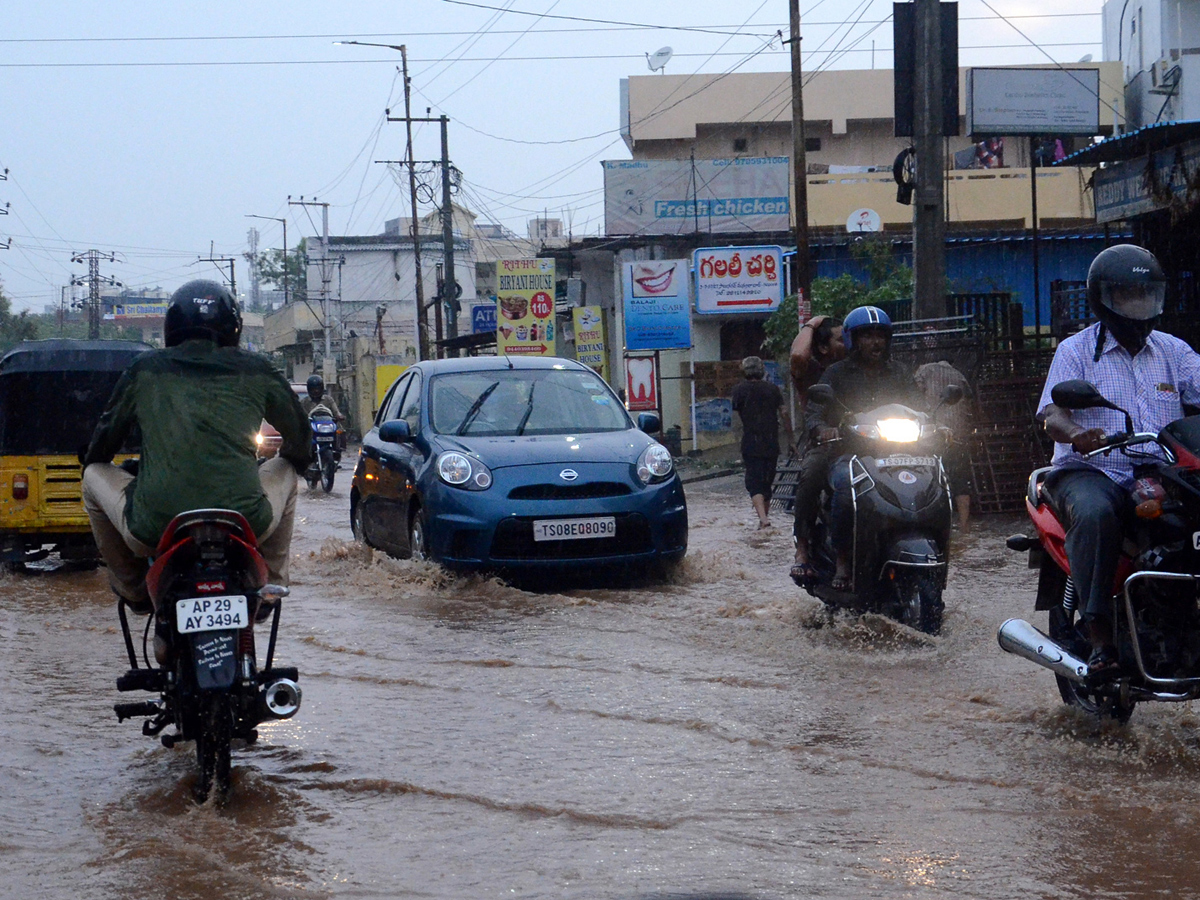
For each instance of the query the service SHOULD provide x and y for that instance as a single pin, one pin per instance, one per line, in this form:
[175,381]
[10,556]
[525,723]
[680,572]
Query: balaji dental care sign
[738,280]
[656,305]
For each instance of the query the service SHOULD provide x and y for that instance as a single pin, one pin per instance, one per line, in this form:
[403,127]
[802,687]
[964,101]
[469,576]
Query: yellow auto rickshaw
[51,396]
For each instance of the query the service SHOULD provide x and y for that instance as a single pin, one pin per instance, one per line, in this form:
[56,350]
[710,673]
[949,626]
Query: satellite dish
[1086,58]
[658,60]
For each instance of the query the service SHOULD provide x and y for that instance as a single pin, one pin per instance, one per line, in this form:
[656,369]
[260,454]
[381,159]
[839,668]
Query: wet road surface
[720,734]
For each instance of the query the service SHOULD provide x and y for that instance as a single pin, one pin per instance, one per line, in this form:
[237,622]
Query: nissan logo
[568,474]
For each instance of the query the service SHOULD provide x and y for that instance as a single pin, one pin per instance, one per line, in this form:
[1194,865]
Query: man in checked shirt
[1148,373]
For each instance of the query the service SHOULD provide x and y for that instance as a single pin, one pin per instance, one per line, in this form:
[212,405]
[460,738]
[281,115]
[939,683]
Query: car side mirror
[649,423]
[395,432]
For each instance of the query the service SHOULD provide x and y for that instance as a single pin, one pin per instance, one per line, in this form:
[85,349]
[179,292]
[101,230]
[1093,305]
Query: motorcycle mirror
[952,394]
[395,432]
[822,393]
[1079,394]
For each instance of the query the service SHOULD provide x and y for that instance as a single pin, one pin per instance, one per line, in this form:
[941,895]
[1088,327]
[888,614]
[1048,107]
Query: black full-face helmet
[1126,287]
[203,309]
[316,386]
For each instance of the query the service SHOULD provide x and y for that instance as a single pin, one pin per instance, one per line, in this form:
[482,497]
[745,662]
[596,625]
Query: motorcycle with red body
[1155,614]
[208,584]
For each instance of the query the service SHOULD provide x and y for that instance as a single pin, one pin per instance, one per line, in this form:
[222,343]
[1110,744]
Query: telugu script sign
[738,280]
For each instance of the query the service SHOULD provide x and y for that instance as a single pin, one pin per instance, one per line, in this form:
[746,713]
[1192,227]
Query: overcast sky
[152,130]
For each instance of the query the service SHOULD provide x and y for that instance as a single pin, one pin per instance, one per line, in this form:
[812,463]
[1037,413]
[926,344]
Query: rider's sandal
[803,574]
[1104,664]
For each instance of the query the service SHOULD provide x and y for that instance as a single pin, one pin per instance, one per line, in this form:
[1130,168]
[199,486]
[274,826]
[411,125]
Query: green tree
[14,327]
[271,267]
[887,280]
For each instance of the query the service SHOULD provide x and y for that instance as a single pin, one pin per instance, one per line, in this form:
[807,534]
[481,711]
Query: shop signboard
[683,196]
[738,280]
[525,307]
[590,347]
[641,383]
[657,315]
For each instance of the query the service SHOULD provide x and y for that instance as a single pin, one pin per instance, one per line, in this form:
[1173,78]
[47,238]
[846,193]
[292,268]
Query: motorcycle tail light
[20,487]
[1149,509]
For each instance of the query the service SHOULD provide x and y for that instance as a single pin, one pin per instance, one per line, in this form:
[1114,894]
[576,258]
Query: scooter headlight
[462,471]
[899,431]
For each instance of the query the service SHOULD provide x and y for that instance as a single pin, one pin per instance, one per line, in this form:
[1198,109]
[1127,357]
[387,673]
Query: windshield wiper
[475,407]
[528,409]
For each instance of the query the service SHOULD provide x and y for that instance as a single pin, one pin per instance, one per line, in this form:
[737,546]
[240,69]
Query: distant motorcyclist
[316,396]
[196,403]
[866,379]
[1148,373]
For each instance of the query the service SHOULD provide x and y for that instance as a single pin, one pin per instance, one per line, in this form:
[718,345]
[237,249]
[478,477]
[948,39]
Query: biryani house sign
[525,307]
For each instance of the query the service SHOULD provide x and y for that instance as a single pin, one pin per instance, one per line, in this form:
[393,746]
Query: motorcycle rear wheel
[920,600]
[1064,630]
[213,740]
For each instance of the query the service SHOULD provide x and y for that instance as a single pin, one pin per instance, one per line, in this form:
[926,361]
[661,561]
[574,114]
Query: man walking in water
[757,402]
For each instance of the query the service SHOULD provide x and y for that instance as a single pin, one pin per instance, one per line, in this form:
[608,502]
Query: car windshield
[510,402]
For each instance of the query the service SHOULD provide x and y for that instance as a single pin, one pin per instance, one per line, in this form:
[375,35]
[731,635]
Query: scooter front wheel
[920,600]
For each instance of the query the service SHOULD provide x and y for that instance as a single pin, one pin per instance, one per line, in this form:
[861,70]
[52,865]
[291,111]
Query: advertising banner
[657,316]
[641,383]
[738,280]
[590,347]
[1123,189]
[1033,101]
[525,307]
[483,318]
[682,196]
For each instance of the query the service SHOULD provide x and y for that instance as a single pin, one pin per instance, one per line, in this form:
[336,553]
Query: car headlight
[900,431]
[654,463]
[460,470]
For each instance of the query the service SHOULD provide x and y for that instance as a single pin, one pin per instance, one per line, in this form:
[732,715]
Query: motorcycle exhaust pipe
[1019,637]
[280,699]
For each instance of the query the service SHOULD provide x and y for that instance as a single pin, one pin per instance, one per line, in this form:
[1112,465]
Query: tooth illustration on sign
[641,375]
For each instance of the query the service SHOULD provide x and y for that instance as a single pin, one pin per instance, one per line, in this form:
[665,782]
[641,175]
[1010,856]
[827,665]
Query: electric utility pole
[929,224]
[450,289]
[94,280]
[329,371]
[219,262]
[422,313]
[801,273]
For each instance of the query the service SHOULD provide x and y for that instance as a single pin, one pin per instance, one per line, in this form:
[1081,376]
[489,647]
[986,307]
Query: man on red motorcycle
[197,403]
[1146,372]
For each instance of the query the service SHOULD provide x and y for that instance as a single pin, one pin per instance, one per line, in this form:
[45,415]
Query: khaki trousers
[127,558]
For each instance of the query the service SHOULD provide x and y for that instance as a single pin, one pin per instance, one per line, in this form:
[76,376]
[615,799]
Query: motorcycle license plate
[325,440]
[574,529]
[211,614]
[907,462]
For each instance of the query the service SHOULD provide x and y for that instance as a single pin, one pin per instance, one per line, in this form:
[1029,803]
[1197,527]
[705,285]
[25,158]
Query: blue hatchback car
[515,464]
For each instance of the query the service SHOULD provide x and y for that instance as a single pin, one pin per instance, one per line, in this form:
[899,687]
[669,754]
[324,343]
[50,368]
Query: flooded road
[460,738]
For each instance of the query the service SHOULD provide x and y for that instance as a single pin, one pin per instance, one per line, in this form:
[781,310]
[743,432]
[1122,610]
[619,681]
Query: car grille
[588,491]
[514,540]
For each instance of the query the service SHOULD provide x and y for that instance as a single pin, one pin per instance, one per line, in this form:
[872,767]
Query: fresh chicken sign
[738,280]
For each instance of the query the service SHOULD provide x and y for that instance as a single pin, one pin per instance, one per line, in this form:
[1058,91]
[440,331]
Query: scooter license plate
[211,614]
[907,462]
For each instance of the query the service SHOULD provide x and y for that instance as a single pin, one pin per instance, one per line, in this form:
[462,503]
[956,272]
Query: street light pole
[285,259]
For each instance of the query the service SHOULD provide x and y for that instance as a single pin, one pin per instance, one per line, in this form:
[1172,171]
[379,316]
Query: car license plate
[210,614]
[907,462]
[574,529]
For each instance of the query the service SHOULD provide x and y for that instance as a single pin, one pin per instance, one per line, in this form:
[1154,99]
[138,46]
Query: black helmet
[1126,287]
[316,386]
[202,309]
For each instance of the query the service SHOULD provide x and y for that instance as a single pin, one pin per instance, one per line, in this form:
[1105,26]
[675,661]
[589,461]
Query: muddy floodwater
[718,735]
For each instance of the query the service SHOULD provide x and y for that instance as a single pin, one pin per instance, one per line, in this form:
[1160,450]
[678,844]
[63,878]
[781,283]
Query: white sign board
[682,196]
[1017,102]
[738,280]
